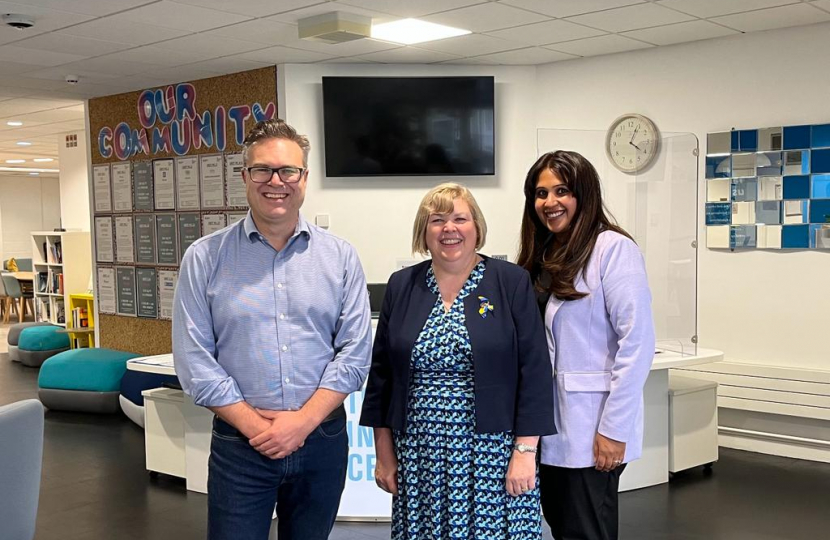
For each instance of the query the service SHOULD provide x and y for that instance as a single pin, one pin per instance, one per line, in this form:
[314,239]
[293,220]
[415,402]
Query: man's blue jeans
[244,485]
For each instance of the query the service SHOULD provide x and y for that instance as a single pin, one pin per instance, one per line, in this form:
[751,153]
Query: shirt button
[285,348]
[282,316]
[279,285]
[287,379]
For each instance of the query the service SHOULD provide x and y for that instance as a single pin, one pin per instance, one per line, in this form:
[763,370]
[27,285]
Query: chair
[21,460]
[5,303]
[24,265]
[15,293]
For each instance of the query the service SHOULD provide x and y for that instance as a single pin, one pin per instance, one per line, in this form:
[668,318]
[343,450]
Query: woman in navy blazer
[460,387]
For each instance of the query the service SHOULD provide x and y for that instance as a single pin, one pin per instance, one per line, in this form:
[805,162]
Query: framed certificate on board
[125,290]
[167,287]
[106,290]
[233,178]
[124,243]
[167,243]
[102,188]
[189,231]
[143,185]
[145,238]
[122,187]
[187,183]
[146,292]
[212,223]
[164,188]
[213,181]
[104,246]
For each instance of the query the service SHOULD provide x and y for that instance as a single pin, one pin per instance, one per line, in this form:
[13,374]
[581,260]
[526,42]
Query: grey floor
[94,487]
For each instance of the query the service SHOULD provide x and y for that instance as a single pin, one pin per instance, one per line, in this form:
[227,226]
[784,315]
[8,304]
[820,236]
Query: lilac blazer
[601,347]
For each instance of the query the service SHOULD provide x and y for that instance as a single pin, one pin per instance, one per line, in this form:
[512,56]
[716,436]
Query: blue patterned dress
[451,480]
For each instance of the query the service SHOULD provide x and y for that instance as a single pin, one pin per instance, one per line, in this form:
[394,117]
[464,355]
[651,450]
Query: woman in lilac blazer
[594,296]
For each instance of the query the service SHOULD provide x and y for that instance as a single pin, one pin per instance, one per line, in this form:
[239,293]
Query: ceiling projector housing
[335,27]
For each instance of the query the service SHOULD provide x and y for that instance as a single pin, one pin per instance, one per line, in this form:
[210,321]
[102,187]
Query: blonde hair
[439,200]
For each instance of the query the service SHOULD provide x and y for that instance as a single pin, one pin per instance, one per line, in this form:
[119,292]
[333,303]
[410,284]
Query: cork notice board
[165,171]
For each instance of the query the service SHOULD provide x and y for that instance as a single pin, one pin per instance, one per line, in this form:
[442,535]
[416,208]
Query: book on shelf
[80,318]
[42,281]
[60,313]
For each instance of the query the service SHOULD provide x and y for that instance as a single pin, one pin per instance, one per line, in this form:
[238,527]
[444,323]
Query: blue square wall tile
[718,213]
[736,142]
[820,211]
[820,161]
[796,137]
[820,136]
[748,140]
[718,166]
[795,237]
[821,186]
[796,187]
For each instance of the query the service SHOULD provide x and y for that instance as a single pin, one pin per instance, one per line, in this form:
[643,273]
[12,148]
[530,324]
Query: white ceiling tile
[351,60]
[8,92]
[72,45]
[284,55]
[182,16]
[778,17]
[14,68]
[46,20]
[680,32]
[157,56]
[349,48]
[228,64]
[16,107]
[546,32]
[714,8]
[209,46]
[568,8]
[34,85]
[35,57]
[117,28]
[109,66]
[252,8]
[267,32]
[486,17]
[471,45]
[327,7]
[408,55]
[55,115]
[181,74]
[408,8]
[822,4]
[631,18]
[478,61]
[58,74]
[525,57]
[595,46]
[98,8]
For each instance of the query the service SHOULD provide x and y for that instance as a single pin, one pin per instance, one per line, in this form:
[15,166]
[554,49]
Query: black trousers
[580,504]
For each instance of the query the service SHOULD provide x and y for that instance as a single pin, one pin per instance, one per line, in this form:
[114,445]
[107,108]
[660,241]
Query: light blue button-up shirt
[270,327]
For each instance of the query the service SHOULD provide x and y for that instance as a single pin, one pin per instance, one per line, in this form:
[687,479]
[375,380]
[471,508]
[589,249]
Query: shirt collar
[252,233]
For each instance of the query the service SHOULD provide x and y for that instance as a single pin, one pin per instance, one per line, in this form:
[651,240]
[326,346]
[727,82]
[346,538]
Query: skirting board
[774,444]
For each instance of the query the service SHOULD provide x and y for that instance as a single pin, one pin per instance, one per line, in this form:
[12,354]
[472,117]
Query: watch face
[631,143]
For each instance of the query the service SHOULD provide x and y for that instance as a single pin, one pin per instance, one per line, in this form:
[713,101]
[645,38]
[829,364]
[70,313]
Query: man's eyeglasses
[288,175]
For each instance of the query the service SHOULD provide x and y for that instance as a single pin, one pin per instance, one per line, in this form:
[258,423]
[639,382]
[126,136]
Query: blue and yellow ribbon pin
[484,306]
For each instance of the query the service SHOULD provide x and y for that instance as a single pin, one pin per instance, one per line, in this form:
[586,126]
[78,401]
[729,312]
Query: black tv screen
[409,126]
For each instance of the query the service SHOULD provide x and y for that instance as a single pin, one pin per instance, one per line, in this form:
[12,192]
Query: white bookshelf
[62,265]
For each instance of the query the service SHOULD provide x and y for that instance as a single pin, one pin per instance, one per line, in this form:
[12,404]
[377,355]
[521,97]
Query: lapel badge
[484,306]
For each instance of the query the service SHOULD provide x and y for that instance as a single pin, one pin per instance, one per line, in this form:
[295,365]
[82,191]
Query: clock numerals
[637,146]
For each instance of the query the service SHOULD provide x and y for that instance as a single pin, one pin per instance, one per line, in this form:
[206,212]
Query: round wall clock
[632,143]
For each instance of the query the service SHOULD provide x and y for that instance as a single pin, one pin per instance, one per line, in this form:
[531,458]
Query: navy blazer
[512,370]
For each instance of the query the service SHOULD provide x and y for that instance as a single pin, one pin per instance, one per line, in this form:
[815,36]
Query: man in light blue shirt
[271,331]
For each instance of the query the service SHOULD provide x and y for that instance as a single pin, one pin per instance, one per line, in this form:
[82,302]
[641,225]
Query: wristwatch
[524,448]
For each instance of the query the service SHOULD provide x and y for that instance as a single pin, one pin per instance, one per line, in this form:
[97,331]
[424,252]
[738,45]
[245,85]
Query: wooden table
[23,276]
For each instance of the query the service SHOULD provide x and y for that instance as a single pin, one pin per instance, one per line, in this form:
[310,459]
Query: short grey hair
[275,129]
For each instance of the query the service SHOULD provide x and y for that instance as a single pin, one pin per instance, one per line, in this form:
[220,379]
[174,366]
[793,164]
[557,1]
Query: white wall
[26,204]
[376,214]
[759,307]
[74,183]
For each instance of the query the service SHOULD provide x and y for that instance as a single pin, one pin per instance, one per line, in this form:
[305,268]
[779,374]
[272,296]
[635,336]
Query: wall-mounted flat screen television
[409,126]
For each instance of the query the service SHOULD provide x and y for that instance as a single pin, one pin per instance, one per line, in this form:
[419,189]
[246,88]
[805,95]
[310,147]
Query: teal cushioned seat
[95,370]
[42,338]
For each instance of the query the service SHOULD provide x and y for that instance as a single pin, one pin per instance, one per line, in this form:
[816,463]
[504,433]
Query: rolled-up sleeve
[194,344]
[353,333]
[628,303]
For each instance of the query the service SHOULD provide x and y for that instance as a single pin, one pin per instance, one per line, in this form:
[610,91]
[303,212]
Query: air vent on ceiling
[335,27]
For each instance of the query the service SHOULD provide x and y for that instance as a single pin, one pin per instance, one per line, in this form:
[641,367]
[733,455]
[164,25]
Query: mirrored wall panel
[768,188]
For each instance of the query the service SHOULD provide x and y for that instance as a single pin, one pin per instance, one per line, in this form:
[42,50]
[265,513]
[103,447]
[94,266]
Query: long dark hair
[554,268]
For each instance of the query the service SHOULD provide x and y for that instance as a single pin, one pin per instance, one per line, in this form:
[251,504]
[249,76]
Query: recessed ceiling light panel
[411,31]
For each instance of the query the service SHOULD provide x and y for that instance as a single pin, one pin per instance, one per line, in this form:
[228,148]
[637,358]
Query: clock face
[632,143]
